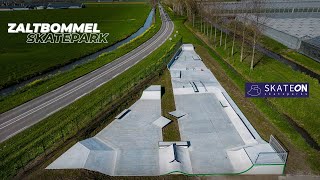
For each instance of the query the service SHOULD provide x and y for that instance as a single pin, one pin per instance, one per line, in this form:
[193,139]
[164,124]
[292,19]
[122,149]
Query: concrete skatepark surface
[216,138]
[126,147]
[222,140]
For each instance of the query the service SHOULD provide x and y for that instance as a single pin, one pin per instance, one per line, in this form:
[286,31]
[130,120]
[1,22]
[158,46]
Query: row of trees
[243,21]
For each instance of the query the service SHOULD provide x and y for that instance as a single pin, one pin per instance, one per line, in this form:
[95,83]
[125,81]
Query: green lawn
[19,60]
[171,131]
[279,48]
[47,84]
[291,54]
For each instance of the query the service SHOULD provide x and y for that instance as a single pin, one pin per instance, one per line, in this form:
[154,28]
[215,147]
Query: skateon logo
[254,91]
[288,90]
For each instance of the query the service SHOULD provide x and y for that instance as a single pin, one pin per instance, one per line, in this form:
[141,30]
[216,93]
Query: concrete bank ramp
[152,92]
[177,114]
[239,160]
[92,154]
[162,122]
[257,159]
[128,146]
[174,158]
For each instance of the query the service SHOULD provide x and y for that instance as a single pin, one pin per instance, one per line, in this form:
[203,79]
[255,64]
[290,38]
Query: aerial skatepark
[216,138]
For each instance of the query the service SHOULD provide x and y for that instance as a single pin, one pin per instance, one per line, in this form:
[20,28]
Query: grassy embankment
[66,123]
[40,87]
[267,116]
[171,131]
[291,54]
[278,48]
[19,60]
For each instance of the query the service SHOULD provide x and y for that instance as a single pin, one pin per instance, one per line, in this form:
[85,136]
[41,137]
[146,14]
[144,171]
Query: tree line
[243,21]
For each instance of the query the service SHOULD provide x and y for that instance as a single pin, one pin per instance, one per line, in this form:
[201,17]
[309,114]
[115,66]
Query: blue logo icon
[254,91]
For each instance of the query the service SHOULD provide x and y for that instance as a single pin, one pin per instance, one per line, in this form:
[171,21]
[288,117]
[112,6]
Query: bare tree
[204,24]
[207,10]
[234,14]
[234,37]
[243,18]
[153,4]
[258,19]
[177,6]
[221,26]
[191,8]
[216,14]
[193,19]
[225,40]
[200,13]
[220,36]
[211,23]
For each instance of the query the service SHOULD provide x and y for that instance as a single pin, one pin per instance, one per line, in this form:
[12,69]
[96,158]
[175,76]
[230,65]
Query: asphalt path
[26,115]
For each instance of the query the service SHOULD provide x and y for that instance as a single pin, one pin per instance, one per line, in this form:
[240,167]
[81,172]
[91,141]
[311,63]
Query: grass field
[47,84]
[279,48]
[267,116]
[291,54]
[19,60]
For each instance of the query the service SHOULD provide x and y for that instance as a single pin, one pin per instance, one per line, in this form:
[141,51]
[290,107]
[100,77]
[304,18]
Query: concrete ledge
[122,114]
[163,144]
[161,122]
[187,47]
[177,114]
[152,93]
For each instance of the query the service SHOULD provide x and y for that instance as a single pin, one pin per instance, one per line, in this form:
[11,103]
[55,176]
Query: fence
[310,49]
[176,55]
[54,137]
[275,144]
[270,158]
[282,37]
[278,156]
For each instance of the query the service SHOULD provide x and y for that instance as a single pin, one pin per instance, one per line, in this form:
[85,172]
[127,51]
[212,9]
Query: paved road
[22,117]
